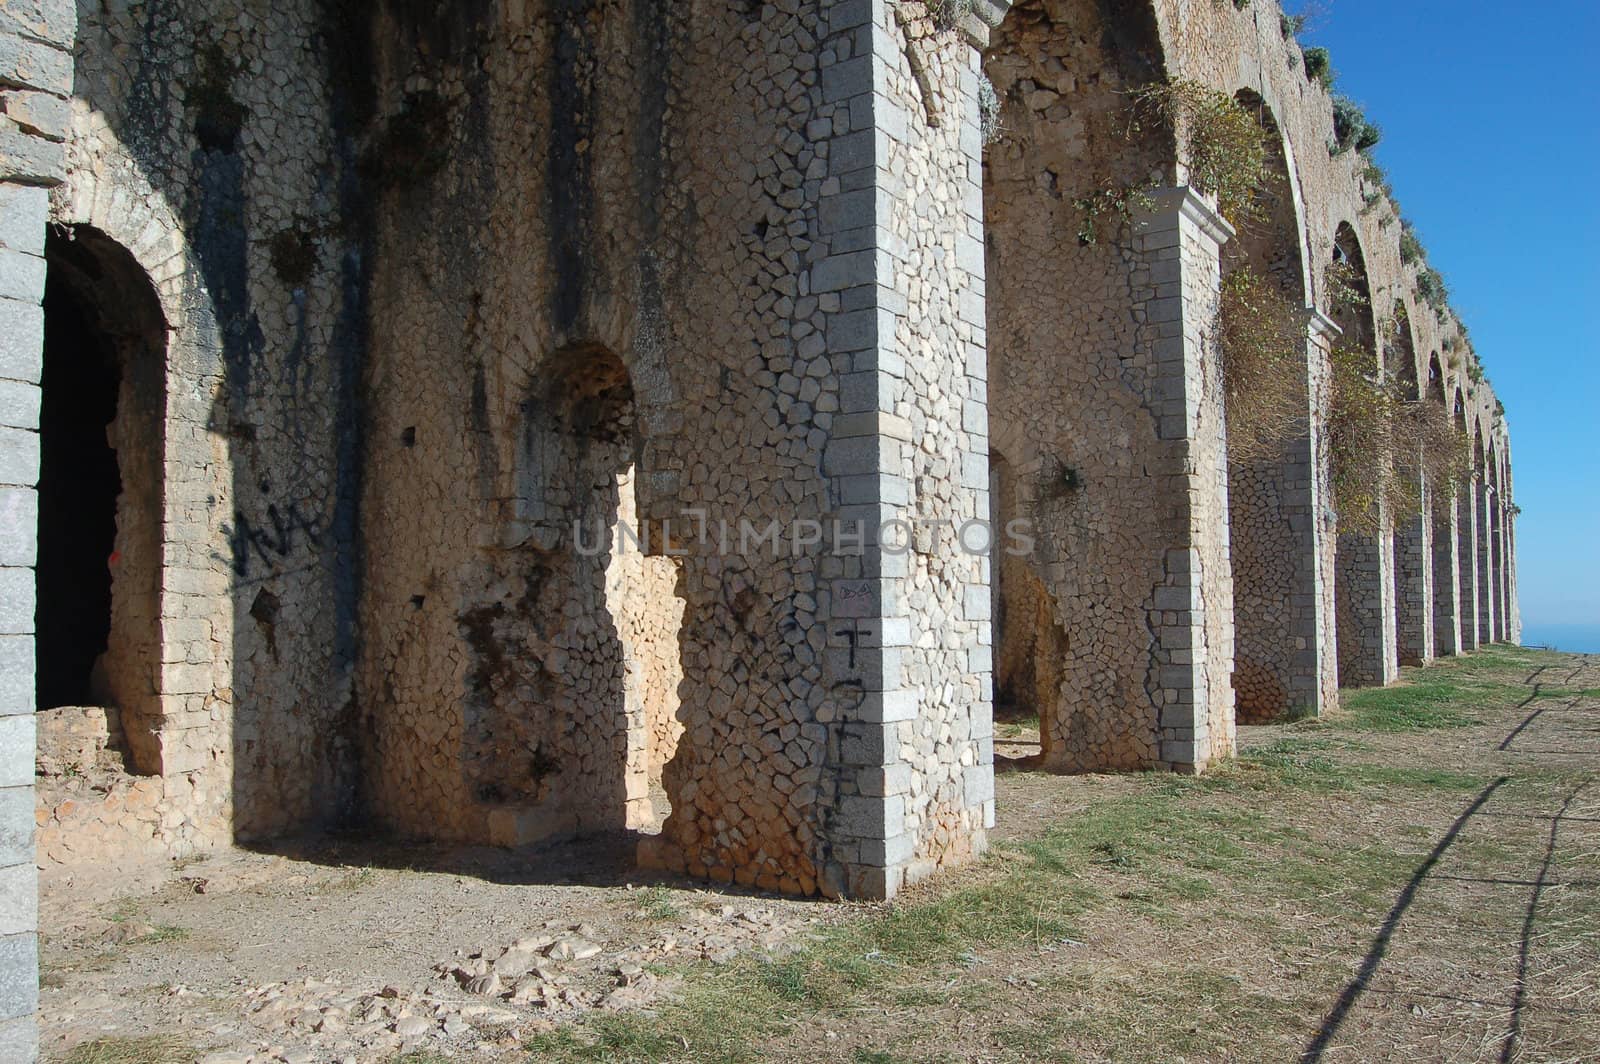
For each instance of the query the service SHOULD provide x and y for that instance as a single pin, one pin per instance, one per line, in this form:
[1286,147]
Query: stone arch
[1076,396]
[1274,242]
[101,490]
[1069,409]
[1442,512]
[1483,500]
[1364,567]
[1412,544]
[1354,310]
[108,199]
[1403,366]
[1466,528]
[1436,381]
[1272,551]
[569,716]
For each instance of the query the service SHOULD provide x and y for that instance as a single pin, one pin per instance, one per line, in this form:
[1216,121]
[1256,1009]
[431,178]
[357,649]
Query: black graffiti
[271,539]
[853,634]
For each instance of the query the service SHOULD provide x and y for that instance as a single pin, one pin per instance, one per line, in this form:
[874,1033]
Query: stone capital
[1172,204]
[984,17]
[1323,327]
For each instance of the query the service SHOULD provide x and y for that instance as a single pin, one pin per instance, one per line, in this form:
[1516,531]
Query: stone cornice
[1323,326]
[985,17]
[1184,201]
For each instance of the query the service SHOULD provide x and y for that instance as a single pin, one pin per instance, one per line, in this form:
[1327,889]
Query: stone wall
[1100,406]
[748,310]
[204,152]
[531,417]
[35,82]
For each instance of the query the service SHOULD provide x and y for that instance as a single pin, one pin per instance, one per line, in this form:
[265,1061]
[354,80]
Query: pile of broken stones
[497,997]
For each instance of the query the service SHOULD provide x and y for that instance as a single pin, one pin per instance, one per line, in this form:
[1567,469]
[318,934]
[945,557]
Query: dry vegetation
[1411,878]
[1331,896]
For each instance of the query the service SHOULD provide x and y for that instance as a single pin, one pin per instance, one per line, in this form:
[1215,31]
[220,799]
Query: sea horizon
[1570,638]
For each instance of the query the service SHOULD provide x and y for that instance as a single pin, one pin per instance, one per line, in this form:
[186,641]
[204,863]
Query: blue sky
[1491,121]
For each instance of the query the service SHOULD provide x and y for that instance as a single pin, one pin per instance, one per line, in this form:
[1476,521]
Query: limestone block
[16,602]
[19,524]
[21,338]
[24,211]
[19,975]
[19,898]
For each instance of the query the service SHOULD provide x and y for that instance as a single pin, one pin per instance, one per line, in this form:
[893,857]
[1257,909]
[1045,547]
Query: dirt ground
[1417,878]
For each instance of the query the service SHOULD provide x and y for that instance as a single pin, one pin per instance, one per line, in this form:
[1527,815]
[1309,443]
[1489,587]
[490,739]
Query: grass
[1448,696]
[1019,728]
[162,933]
[659,903]
[152,1049]
[1172,847]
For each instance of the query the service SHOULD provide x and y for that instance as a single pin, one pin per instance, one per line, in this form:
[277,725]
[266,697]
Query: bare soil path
[1415,878]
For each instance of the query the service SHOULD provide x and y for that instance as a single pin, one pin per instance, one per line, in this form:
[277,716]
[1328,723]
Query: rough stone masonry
[503,420]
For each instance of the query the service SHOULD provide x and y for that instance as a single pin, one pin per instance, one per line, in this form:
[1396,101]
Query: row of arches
[1180,582]
[1318,599]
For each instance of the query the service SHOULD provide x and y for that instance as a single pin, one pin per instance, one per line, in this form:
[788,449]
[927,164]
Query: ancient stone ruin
[500,421]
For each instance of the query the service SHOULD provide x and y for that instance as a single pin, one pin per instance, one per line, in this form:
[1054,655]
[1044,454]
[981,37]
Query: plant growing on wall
[1225,144]
[1361,439]
[1108,207]
[1411,251]
[1319,67]
[1432,291]
[1261,342]
[1351,128]
[1385,445]
[1345,285]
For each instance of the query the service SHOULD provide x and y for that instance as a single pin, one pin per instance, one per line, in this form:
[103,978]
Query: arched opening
[1030,647]
[1073,648]
[1493,552]
[1413,531]
[572,704]
[1364,560]
[1466,536]
[1446,575]
[100,496]
[1271,520]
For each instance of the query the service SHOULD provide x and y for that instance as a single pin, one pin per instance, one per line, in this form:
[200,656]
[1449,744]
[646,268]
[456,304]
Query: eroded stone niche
[572,687]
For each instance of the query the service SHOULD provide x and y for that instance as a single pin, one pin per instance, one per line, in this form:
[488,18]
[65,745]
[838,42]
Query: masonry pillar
[1414,589]
[1513,606]
[36,71]
[1484,501]
[1467,551]
[1314,688]
[1191,614]
[1498,562]
[912,632]
[1367,651]
[1446,573]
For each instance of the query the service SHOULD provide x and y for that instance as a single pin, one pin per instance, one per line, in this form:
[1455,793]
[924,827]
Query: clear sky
[1491,121]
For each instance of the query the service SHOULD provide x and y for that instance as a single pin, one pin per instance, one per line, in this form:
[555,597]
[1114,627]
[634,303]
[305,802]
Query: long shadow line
[1519,996]
[1380,945]
[1529,719]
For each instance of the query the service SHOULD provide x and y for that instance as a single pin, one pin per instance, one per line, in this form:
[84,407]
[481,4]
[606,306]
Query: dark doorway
[100,487]
[78,487]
